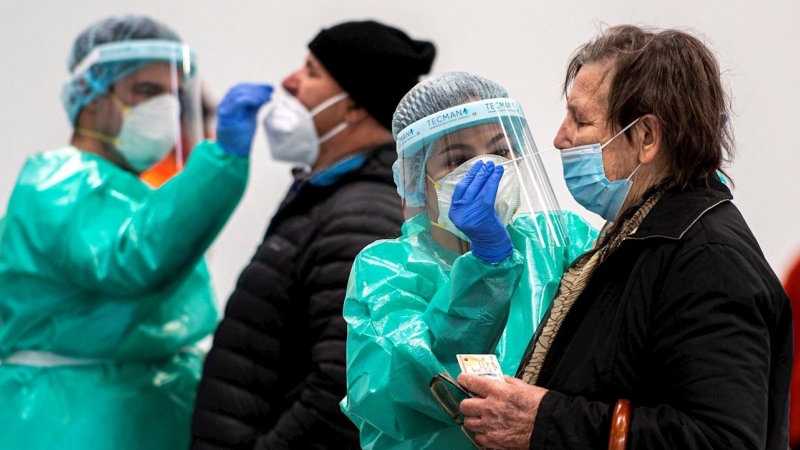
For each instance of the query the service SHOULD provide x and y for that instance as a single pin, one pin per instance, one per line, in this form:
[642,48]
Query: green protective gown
[97,266]
[411,306]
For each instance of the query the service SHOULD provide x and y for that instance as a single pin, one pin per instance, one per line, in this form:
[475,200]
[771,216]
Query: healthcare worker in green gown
[480,258]
[103,289]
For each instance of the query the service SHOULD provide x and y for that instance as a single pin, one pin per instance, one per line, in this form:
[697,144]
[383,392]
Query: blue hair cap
[89,83]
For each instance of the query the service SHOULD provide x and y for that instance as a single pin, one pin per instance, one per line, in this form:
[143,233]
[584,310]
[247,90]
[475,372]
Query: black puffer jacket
[276,371]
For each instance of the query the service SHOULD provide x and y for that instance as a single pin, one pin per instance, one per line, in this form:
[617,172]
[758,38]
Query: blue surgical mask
[587,182]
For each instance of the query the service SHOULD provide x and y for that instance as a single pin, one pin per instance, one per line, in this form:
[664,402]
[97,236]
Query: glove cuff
[495,253]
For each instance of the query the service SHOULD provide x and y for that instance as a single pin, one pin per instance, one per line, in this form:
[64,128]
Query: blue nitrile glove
[236,116]
[472,211]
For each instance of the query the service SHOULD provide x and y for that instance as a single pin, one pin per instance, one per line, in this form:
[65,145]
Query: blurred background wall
[522,44]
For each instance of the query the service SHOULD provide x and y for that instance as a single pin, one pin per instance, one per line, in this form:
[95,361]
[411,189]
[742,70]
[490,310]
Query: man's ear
[647,135]
[87,115]
[355,113]
[91,107]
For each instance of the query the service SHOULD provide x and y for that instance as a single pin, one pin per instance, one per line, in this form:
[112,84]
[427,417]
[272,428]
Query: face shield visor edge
[437,145]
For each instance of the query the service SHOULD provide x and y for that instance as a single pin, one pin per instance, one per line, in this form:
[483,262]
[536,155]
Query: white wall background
[522,44]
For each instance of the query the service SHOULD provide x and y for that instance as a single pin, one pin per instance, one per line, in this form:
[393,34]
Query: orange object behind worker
[161,172]
[169,166]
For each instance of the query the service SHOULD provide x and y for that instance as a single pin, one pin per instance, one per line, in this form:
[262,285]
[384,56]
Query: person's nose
[562,139]
[291,83]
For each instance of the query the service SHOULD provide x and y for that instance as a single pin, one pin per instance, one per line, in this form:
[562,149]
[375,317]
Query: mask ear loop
[100,136]
[97,135]
[617,135]
[327,103]
[554,148]
[634,171]
[120,104]
[437,187]
[436,184]
[332,132]
[621,131]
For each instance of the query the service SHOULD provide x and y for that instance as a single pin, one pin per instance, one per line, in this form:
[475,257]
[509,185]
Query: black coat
[687,321]
[275,374]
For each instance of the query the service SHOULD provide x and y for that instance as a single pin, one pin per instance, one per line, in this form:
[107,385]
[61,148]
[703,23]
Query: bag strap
[620,422]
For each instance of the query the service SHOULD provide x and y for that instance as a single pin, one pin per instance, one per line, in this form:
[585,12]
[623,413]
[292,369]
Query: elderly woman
[673,331]
[480,257]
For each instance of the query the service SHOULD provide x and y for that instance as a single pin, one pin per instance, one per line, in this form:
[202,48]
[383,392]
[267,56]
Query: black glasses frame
[450,404]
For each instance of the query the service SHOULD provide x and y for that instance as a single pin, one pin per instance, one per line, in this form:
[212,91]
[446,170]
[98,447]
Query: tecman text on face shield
[448,116]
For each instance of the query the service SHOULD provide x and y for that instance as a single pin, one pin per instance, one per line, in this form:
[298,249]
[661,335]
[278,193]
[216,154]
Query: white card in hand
[483,365]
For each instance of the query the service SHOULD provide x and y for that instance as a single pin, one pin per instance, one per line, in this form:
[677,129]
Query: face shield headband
[143,49]
[108,63]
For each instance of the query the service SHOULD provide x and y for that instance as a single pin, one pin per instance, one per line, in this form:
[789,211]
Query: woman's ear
[648,138]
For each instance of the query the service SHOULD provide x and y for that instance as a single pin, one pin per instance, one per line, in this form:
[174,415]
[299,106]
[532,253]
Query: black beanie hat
[375,63]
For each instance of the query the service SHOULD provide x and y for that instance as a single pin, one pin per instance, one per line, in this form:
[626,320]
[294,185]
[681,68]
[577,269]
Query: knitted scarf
[574,281]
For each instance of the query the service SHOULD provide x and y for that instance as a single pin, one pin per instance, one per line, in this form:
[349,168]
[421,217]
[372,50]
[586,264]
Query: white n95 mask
[290,131]
[148,131]
[506,203]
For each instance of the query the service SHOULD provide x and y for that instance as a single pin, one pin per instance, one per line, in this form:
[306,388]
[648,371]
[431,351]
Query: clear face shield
[437,151]
[151,112]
